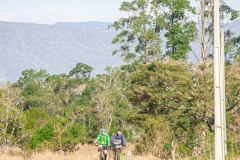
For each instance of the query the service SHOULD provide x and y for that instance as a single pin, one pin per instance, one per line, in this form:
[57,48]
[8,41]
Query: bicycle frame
[102,155]
[116,149]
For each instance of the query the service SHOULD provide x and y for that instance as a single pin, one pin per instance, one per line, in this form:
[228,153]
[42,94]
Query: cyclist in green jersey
[103,140]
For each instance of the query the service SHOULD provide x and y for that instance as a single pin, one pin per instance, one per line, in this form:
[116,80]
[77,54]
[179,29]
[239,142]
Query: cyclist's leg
[114,154]
[120,153]
[105,149]
[105,152]
[117,154]
[100,155]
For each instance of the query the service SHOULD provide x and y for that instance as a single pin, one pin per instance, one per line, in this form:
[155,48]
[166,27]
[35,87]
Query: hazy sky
[52,11]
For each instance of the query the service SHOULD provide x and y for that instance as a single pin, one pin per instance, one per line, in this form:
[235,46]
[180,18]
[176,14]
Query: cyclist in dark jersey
[118,139]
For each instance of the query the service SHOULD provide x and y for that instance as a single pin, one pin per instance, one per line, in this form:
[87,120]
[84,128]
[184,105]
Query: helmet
[103,130]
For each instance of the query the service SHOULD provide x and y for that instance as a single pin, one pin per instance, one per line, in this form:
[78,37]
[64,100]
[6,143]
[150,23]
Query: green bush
[76,134]
[46,133]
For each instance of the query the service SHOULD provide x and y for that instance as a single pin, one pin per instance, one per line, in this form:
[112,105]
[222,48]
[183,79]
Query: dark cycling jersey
[118,140]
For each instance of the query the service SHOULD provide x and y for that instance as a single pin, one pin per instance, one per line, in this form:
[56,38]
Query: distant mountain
[59,47]
[55,48]
[89,25]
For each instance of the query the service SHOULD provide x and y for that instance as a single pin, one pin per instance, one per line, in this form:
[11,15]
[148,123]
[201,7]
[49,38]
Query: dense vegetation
[163,103]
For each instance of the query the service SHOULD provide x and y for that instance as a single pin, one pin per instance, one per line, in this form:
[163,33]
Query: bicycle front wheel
[117,156]
[101,156]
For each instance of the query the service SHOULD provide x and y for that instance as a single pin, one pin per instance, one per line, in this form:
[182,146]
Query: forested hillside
[163,104]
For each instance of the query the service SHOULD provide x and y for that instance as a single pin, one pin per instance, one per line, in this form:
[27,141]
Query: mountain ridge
[54,48]
[88,24]
[58,48]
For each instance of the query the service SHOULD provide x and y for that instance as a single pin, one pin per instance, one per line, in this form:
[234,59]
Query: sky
[52,11]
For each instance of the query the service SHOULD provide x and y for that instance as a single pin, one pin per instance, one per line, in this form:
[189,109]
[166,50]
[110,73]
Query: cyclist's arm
[112,140]
[123,140]
[108,140]
[96,140]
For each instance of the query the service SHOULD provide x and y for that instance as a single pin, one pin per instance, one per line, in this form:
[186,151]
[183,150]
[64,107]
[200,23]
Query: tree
[205,22]
[109,99]
[39,89]
[155,139]
[35,118]
[147,20]
[60,125]
[31,76]
[163,89]
[43,137]
[139,34]
[12,120]
[180,31]
[81,70]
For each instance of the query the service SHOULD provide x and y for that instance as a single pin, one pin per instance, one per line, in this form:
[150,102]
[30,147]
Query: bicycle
[102,155]
[116,152]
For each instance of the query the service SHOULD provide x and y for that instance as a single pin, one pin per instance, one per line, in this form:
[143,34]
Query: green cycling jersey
[103,139]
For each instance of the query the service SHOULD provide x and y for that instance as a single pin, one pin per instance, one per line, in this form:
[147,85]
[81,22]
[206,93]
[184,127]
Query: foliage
[76,134]
[157,135]
[180,31]
[81,70]
[206,21]
[35,118]
[46,133]
[176,92]
[164,106]
[138,37]
[31,76]
[12,119]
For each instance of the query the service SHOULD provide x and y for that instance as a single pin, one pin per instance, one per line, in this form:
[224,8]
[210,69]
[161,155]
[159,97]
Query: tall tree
[179,30]
[138,37]
[12,120]
[32,76]
[205,22]
[81,70]
[140,33]
[164,90]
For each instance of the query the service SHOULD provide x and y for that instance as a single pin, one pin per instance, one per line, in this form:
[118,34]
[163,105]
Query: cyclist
[118,139]
[104,140]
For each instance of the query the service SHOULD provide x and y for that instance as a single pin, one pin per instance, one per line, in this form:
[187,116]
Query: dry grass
[72,156]
[85,152]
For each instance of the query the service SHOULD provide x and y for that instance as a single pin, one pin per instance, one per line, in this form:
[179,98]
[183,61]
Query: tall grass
[84,152]
[61,156]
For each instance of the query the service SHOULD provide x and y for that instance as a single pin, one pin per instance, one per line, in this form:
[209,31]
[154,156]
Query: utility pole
[218,89]
[223,103]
